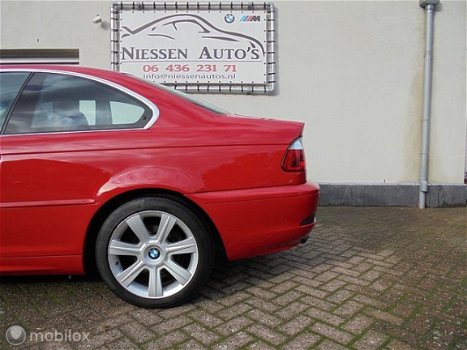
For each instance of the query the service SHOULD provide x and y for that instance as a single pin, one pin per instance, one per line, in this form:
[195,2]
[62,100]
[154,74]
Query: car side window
[54,102]
[10,84]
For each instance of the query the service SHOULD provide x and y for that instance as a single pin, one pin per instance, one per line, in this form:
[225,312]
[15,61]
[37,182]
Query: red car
[102,169]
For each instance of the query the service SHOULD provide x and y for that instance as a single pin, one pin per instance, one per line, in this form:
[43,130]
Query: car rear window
[190,98]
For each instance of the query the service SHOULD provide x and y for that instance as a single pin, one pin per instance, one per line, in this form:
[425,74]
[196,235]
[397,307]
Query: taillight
[294,159]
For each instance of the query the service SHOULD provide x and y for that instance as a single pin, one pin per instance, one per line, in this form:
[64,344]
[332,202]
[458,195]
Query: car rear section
[247,174]
[270,206]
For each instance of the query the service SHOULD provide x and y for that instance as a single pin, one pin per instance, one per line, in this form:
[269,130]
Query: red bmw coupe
[145,183]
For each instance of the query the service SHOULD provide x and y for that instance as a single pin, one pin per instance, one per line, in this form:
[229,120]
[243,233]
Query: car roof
[103,73]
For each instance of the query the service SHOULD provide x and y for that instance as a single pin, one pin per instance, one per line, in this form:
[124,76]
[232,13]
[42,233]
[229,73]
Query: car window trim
[150,105]
[15,100]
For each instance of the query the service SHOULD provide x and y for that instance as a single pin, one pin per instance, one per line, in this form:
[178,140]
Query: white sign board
[203,47]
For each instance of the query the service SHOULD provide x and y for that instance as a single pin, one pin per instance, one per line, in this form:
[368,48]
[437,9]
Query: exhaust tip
[308,220]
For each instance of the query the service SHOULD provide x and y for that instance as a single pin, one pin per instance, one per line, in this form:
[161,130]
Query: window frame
[150,105]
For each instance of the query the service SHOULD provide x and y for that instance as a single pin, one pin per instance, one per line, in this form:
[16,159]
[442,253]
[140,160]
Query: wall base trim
[386,195]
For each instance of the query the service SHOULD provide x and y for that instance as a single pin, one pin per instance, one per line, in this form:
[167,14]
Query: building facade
[351,70]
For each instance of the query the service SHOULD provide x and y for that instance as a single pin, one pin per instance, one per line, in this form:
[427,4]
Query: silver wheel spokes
[153,254]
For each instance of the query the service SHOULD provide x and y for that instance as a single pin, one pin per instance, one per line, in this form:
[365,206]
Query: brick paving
[368,278]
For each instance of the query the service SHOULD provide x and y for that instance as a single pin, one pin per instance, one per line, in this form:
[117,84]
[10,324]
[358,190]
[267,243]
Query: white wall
[353,71]
[449,94]
[57,25]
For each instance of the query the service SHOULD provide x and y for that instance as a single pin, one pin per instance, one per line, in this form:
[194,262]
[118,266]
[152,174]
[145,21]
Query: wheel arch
[113,203]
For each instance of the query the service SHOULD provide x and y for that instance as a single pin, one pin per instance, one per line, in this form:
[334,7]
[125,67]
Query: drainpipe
[430,8]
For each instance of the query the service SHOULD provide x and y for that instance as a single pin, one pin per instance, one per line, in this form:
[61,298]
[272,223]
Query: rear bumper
[261,220]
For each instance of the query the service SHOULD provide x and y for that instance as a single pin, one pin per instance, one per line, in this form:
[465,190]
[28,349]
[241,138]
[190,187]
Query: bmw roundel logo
[229,18]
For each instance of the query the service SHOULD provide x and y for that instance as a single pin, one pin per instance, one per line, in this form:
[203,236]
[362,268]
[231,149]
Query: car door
[56,153]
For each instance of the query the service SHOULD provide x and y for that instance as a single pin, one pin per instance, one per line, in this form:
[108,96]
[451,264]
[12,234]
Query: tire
[154,252]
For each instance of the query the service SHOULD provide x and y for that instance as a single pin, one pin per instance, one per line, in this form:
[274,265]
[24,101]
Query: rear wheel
[154,252]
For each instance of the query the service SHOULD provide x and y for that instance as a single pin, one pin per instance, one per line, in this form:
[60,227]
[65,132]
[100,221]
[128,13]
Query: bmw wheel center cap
[154,253]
